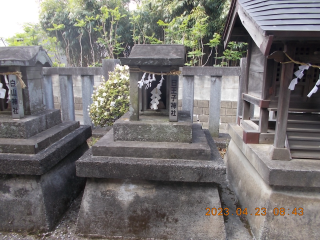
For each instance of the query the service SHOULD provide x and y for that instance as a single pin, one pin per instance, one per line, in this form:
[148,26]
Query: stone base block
[28,126]
[36,203]
[147,209]
[197,150]
[274,212]
[152,129]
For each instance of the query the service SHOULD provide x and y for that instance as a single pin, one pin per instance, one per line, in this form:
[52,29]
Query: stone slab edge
[40,163]
[37,142]
[294,173]
[198,150]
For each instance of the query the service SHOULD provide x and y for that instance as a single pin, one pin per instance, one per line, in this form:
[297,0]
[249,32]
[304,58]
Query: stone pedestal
[37,170]
[179,182]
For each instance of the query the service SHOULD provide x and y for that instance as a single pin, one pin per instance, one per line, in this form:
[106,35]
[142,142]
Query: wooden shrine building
[273,161]
[278,32]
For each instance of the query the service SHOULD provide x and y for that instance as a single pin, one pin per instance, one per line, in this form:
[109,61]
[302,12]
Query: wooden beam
[255,100]
[284,99]
[230,22]
[258,35]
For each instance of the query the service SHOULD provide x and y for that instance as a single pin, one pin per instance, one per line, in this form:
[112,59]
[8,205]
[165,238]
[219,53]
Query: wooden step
[305,154]
[305,145]
[303,136]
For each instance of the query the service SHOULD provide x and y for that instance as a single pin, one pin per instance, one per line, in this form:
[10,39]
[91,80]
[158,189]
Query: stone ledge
[294,173]
[198,149]
[37,142]
[40,163]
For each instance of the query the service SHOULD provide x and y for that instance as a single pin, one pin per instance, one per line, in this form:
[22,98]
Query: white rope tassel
[156,94]
[299,75]
[141,82]
[315,88]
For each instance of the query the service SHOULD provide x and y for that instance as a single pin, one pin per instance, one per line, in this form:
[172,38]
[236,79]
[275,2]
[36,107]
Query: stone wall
[229,95]
[77,90]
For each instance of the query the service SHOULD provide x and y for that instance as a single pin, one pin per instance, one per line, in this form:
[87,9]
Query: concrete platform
[294,173]
[197,150]
[149,210]
[265,187]
[28,126]
[153,129]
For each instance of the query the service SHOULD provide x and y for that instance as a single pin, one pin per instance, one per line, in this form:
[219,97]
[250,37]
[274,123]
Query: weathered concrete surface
[157,169]
[29,125]
[36,203]
[148,209]
[294,173]
[40,163]
[152,129]
[197,150]
[39,141]
[254,194]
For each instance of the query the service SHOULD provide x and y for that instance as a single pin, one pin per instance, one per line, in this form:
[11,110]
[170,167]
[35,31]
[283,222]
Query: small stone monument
[144,176]
[37,149]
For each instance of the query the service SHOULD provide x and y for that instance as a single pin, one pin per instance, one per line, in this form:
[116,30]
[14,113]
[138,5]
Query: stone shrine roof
[24,56]
[156,55]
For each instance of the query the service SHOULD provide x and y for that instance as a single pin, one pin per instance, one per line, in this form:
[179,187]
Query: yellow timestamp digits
[259,211]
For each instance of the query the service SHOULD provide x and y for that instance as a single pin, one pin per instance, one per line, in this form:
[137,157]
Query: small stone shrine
[154,174]
[37,150]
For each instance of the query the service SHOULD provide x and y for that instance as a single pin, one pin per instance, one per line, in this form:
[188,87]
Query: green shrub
[111,98]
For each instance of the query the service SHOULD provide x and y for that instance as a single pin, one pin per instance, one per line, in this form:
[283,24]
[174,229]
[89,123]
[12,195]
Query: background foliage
[86,31]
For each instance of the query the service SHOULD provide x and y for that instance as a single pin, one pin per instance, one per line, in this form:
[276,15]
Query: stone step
[116,208]
[43,161]
[305,154]
[197,150]
[39,141]
[151,128]
[157,169]
[30,125]
[302,136]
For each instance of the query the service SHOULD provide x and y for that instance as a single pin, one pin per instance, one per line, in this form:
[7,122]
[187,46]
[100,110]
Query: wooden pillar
[279,151]
[242,87]
[267,78]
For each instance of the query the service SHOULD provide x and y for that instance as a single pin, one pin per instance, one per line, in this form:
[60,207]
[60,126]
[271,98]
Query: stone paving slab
[38,164]
[37,142]
[114,208]
[197,150]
